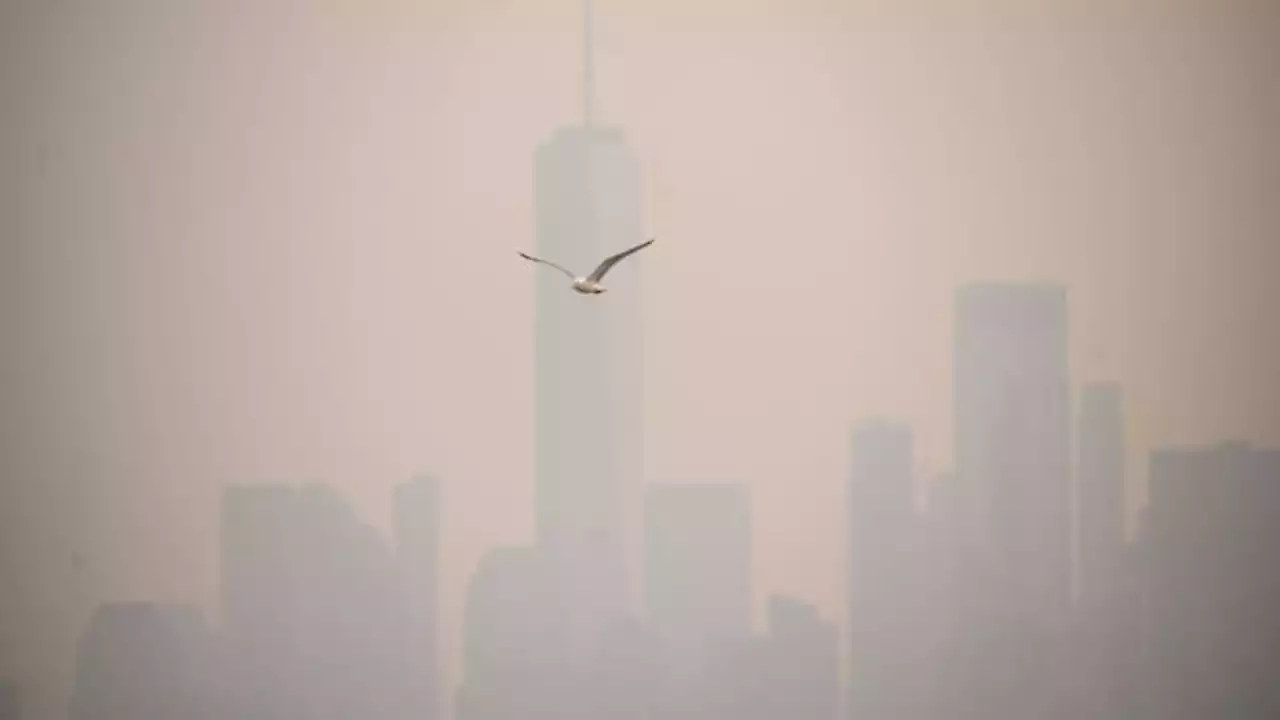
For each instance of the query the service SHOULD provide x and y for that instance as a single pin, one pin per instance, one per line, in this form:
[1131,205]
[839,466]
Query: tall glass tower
[589,368]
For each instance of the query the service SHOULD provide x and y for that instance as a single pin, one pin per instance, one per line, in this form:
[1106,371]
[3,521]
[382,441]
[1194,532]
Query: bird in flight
[590,285]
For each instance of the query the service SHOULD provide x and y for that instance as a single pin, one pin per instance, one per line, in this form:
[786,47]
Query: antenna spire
[588,67]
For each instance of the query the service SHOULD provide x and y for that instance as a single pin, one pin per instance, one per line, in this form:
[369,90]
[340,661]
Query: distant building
[417,544]
[1012,500]
[309,593]
[804,662]
[1130,672]
[1102,636]
[589,371]
[885,555]
[937,586]
[698,569]
[258,572]
[628,678]
[1100,484]
[260,586]
[140,660]
[515,666]
[736,682]
[790,672]
[1215,582]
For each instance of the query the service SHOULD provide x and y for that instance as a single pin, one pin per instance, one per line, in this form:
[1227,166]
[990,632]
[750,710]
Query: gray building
[1104,632]
[1100,488]
[804,662]
[697,569]
[1012,521]
[417,543]
[143,660]
[885,625]
[588,356]
[514,664]
[1215,583]
[309,593]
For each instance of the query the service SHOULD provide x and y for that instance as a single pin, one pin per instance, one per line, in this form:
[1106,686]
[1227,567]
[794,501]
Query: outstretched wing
[612,260]
[546,262]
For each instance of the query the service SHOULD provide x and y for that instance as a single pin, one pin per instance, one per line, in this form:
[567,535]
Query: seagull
[590,285]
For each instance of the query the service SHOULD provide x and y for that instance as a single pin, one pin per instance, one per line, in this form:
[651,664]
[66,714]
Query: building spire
[588,67]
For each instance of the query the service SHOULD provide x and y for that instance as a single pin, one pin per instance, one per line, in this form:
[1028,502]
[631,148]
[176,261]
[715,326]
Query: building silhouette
[803,662]
[260,585]
[1100,485]
[628,679]
[1012,443]
[884,568]
[1101,633]
[733,683]
[1129,694]
[588,359]
[142,661]
[317,618]
[516,666]
[697,570]
[961,610]
[937,584]
[789,672]
[1215,583]
[417,542]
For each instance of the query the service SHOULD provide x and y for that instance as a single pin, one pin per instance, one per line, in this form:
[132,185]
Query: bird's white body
[588,287]
[590,284]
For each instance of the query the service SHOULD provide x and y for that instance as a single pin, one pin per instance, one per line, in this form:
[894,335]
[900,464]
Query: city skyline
[294,545]
[246,249]
[322,615]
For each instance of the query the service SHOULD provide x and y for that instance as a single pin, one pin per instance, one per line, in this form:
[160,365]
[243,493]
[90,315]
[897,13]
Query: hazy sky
[275,243]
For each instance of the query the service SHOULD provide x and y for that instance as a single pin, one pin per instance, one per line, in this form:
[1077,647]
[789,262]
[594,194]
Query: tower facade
[697,570]
[1214,583]
[883,625]
[417,545]
[1100,487]
[588,359]
[1012,523]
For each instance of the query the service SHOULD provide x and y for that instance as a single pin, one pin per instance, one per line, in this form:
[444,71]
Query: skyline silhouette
[280,403]
[318,624]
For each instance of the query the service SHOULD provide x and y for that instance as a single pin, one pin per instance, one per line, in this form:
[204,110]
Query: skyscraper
[141,660]
[1103,636]
[310,592]
[936,592]
[1012,425]
[1100,488]
[883,561]
[804,662]
[589,368]
[260,582]
[697,569]
[1215,582]
[514,664]
[417,540]
[627,679]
